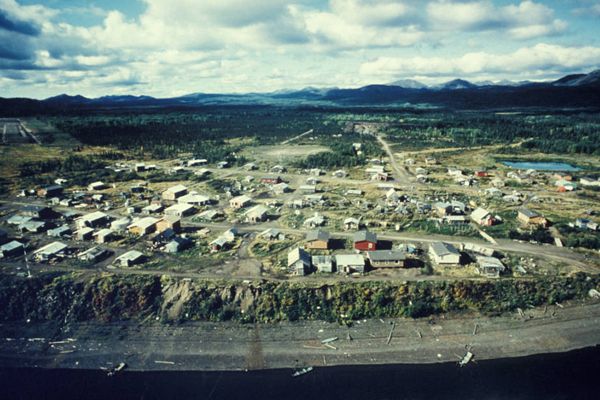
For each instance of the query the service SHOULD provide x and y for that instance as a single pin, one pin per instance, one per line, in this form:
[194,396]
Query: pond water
[541,165]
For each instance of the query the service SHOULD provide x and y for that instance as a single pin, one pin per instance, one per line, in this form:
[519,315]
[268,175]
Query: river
[572,375]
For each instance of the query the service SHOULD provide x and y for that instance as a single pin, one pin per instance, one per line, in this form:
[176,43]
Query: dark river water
[573,375]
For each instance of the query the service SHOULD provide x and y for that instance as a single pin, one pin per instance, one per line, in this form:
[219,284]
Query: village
[400,216]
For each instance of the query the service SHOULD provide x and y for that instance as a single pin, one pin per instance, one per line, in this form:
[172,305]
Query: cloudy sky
[172,47]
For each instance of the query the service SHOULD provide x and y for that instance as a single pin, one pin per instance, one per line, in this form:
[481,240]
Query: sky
[167,48]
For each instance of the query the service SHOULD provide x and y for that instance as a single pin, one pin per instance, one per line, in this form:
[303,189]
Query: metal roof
[362,236]
[317,235]
[386,255]
[441,249]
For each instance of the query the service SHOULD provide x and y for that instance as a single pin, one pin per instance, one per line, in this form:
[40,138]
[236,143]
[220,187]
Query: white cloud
[522,21]
[541,59]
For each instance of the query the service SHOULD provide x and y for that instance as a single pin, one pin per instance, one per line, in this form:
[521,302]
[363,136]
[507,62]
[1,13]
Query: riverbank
[231,346]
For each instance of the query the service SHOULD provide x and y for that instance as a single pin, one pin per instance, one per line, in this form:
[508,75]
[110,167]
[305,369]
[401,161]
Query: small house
[181,210]
[84,233]
[299,262]
[93,220]
[240,202]
[178,244]
[54,250]
[307,189]
[97,186]
[174,192]
[210,215]
[130,258]
[143,226]
[490,267]
[444,253]
[386,258]
[220,243]
[351,223]
[154,208]
[482,217]
[194,199]
[365,241]
[257,213]
[323,263]
[281,188]
[317,240]
[270,180]
[50,191]
[12,249]
[120,225]
[350,263]
[272,234]
[529,217]
[39,212]
[169,222]
[94,255]
[315,221]
[104,235]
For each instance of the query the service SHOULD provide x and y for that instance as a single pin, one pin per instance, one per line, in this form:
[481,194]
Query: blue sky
[173,47]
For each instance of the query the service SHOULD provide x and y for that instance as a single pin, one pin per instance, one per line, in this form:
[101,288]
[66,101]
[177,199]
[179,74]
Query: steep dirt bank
[105,297]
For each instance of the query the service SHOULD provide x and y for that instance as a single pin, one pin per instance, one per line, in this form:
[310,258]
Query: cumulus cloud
[523,21]
[539,59]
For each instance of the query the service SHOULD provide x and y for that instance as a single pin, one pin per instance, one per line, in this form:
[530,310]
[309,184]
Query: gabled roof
[298,254]
[441,249]
[365,236]
[479,213]
[386,255]
[349,259]
[528,213]
[317,235]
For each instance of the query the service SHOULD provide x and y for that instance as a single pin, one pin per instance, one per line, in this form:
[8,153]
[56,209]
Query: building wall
[365,245]
[317,245]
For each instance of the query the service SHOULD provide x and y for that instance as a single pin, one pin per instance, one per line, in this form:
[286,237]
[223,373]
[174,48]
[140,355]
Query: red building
[270,180]
[481,174]
[365,241]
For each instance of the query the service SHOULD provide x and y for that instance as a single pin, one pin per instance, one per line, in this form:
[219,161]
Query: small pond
[541,165]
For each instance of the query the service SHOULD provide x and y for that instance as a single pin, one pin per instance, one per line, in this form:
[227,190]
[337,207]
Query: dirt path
[308,132]
[401,175]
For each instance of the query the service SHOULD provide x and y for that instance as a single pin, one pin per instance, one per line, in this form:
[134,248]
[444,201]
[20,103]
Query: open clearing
[278,153]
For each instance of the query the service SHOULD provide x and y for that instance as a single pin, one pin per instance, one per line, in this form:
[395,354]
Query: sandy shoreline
[207,346]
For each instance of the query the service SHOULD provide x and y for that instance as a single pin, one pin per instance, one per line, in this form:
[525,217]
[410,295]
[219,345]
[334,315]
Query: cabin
[97,186]
[386,258]
[490,267]
[299,262]
[50,191]
[174,192]
[54,250]
[444,253]
[365,241]
[323,263]
[180,210]
[240,202]
[482,217]
[12,249]
[350,263]
[93,220]
[143,226]
[169,222]
[84,233]
[317,240]
[257,213]
[130,258]
[210,215]
[529,217]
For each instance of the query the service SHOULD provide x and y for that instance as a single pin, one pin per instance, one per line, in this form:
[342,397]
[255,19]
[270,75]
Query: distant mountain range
[571,91]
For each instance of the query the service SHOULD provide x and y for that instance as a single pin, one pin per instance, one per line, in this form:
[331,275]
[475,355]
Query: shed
[257,213]
[178,244]
[272,234]
[94,255]
[84,233]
